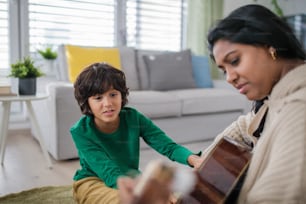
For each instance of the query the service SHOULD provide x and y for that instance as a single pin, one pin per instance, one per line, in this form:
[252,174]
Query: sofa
[186,103]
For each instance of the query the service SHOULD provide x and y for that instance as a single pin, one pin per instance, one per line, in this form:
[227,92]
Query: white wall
[289,7]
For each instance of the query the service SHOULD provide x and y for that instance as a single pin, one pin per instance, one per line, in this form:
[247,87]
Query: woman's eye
[235,61]
[223,71]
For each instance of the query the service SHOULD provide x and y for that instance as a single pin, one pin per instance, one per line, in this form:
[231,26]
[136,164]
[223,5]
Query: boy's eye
[97,97]
[113,94]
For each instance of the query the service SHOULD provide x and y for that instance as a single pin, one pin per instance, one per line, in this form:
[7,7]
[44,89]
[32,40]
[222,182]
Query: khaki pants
[92,190]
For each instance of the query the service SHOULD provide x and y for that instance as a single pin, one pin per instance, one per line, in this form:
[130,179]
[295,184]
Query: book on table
[5,90]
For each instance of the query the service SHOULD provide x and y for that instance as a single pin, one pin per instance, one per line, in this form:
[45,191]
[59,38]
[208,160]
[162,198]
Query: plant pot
[27,86]
[49,67]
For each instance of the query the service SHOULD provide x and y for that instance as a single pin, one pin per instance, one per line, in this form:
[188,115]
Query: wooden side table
[6,106]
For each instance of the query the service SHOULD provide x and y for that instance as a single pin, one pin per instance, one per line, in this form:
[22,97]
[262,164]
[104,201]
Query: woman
[263,60]
[107,137]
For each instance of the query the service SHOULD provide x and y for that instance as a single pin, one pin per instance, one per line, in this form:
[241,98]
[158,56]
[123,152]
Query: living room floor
[24,166]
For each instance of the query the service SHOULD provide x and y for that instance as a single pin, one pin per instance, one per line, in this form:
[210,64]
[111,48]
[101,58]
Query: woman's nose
[231,76]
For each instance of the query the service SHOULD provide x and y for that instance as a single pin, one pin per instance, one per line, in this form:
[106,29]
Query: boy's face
[106,107]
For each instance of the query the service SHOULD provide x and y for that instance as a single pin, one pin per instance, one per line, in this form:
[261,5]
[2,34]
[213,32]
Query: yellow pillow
[80,57]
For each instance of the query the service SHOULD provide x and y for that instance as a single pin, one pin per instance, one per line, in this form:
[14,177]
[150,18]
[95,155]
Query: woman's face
[250,69]
[106,107]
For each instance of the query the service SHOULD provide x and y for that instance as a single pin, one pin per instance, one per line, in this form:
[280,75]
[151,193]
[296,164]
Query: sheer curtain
[201,16]
[4,38]
[155,24]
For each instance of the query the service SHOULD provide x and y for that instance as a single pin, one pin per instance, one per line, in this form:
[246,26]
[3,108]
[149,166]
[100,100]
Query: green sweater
[109,156]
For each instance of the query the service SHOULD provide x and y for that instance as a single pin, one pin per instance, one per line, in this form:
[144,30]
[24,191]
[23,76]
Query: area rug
[43,195]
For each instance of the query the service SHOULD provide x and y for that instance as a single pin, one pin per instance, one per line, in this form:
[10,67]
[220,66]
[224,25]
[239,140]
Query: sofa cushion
[209,100]
[201,71]
[79,57]
[142,69]
[170,71]
[128,65]
[155,104]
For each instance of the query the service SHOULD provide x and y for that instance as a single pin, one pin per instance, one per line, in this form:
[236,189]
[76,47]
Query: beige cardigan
[277,172]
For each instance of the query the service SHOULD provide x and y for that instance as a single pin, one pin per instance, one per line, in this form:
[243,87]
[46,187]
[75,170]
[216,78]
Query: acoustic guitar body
[219,174]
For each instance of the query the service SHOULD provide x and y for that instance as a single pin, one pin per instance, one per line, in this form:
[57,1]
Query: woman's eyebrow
[224,59]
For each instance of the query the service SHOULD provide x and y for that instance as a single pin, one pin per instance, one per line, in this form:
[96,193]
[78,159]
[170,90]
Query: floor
[25,167]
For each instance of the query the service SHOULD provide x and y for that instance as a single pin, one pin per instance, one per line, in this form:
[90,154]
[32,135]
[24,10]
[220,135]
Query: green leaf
[25,69]
[48,53]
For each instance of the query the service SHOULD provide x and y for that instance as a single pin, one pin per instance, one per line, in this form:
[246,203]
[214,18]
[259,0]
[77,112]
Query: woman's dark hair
[256,25]
[96,79]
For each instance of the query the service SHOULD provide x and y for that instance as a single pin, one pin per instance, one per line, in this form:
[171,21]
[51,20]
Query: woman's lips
[242,88]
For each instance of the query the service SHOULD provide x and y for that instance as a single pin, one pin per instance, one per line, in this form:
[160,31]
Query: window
[87,22]
[4,37]
[298,24]
[143,24]
[155,24]
[34,24]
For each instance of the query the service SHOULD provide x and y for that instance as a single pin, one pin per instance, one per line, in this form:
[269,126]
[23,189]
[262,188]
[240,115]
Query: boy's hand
[156,193]
[126,187]
[195,161]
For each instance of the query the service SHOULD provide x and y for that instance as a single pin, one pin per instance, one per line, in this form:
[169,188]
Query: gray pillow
[170,71]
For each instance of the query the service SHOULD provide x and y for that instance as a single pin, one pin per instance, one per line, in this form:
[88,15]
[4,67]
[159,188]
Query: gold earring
[273,54]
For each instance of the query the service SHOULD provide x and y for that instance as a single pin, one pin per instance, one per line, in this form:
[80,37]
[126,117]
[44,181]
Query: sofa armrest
[65,112]
[55,116]
[222,84]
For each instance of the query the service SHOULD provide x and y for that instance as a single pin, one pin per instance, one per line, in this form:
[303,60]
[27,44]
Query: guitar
[219,174]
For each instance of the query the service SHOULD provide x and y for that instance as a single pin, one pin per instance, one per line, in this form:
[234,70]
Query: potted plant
[26,72]
[49,57]
[48,53]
